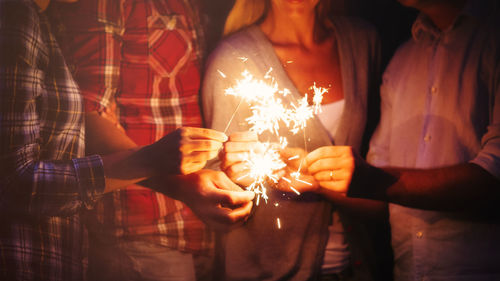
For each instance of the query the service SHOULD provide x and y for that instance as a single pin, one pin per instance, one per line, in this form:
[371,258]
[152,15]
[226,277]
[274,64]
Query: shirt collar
[473,9]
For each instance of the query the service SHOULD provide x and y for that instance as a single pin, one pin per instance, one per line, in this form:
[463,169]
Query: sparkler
[269,112]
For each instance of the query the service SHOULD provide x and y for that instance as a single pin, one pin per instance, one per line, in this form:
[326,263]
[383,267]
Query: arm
[29,184]
[203,191]
[463,188]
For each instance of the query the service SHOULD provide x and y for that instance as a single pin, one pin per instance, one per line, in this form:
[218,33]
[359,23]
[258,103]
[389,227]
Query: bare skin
[308,56]
[306,59]
[210,194]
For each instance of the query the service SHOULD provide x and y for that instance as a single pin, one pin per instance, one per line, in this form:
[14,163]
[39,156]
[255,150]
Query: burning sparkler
[269,112]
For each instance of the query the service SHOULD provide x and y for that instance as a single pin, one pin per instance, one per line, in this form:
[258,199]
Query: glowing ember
[221,73]
[270,113]
[318,97]
[262,167]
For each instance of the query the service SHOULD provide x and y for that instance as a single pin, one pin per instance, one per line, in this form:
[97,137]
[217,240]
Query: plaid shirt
[43,185]
[138,61]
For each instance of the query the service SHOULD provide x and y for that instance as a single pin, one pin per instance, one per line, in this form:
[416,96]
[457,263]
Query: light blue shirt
[441,107]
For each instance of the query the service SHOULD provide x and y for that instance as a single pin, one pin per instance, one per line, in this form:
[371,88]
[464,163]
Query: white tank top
[337,254]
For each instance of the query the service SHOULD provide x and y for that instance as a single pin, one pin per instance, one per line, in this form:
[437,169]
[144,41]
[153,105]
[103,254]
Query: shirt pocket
[169,42]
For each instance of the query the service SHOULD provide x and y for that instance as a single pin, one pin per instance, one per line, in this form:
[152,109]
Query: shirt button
[420,234]
[434,90]
[427,138]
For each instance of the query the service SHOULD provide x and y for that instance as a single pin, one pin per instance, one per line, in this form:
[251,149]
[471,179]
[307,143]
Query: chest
[319,66]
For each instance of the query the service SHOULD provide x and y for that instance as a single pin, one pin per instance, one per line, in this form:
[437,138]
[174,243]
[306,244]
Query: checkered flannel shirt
[43,183]
[139,62]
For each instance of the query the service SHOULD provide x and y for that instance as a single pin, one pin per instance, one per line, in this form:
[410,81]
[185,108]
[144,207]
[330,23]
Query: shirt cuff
[488,162]
[90,178]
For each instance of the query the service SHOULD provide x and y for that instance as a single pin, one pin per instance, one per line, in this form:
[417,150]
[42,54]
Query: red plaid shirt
[139,60]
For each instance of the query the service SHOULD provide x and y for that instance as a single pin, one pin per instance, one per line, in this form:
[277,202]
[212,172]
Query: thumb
[231,198]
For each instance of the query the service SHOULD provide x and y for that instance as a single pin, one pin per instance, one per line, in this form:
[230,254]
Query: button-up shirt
[138,61]
[441,107]
[44,179]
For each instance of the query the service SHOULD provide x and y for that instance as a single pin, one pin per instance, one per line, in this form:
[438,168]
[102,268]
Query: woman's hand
[333,167]
[186,150]
[236,149]
[295,177]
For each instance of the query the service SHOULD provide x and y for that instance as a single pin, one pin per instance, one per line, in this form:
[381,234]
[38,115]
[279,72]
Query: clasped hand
[326,168]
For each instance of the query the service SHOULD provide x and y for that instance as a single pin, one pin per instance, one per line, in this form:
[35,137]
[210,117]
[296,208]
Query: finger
[241,213]
[236,169]
[247,136]
[329,164]
[200,145]
[234,157]
[204,133]
[335,175]
[289,152]
[232,146]
[327,152]
[337,186]
[231,197]
[222,216]
[192,167]
[223,182]
[197,156]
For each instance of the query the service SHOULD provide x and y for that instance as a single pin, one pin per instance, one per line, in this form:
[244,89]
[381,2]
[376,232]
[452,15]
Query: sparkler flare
[262,167]
[318,97]
[221,73]
[269,113]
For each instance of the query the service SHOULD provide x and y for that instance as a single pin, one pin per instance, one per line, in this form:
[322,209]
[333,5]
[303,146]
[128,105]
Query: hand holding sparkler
[186,150]
[212,196]
[295,176]
[333,167]
[234,153]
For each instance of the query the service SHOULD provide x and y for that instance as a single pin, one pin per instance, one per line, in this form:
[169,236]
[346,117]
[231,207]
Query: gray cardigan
[259,250]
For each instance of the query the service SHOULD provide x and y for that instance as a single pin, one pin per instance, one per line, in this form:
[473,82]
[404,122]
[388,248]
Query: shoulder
[244,50]
[20,33]
[243,44]
[18,14]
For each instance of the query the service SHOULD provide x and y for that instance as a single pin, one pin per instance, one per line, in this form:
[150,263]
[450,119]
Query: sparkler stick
[232,116]
[268,114]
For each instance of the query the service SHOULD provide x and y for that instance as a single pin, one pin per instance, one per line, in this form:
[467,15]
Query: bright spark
[278,223]
[221,73]
[318,97]
[294,190]
[270,113]
[262,167]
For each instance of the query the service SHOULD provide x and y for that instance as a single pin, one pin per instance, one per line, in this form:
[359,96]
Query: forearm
[463,188]
[358,207]
[124,162]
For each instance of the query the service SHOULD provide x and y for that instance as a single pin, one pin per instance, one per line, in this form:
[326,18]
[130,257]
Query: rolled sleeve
[489,156]
[90,179]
